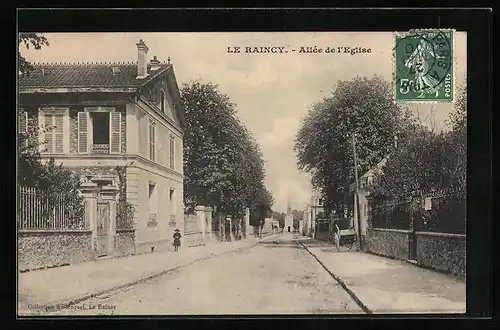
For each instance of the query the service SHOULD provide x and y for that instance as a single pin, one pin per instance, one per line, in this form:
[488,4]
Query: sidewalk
[68,285]
[385,285]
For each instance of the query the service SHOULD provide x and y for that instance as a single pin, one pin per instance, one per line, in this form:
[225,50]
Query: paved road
[277,277]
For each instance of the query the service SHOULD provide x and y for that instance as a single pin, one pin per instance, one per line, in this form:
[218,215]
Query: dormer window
[45,72]
[116,70]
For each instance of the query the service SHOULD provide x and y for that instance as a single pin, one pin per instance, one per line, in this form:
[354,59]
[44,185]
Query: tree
[223,163]
[54,181]
[280,217]
[297,215]
[261,207]
[37,41]
[428,161]
[363,107]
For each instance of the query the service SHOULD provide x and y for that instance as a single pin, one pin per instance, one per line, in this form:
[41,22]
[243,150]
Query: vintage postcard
[237,173]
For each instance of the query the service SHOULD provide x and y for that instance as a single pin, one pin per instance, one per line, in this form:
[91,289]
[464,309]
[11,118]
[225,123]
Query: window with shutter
[23,126]
[23,121]
[152,140]
[115,132]
[172,152]
[54,124]
[83,132]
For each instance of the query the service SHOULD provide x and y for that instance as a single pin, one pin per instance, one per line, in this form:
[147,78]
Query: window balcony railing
[152,220]
[100,149]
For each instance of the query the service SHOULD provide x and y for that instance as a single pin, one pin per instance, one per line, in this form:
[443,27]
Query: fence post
[208,221]
[369,221]
[248,228]
[89,191]
[200,216]
[411,227]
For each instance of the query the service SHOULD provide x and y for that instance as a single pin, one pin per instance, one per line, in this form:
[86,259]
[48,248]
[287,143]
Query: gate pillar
[89,191]
[110,194]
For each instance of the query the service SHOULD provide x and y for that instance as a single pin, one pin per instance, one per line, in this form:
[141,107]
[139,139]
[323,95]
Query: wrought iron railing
[39,210]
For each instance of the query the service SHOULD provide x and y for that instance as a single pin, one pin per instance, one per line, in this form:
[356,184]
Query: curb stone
[340,281]
[72,301]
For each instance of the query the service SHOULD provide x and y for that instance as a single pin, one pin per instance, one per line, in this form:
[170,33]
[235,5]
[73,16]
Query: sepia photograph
[241,173]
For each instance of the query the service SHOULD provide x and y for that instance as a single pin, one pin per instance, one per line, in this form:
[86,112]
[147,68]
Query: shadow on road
[314,243]
[289,244]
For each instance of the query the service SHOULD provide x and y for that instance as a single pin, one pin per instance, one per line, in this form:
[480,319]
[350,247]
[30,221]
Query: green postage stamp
[423,66]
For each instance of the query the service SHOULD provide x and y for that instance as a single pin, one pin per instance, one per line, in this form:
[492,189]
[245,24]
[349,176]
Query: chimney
[142,51]
[155,64]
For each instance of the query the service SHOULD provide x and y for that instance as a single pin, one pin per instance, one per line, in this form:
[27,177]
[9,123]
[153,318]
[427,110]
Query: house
[365,182]
[316,210]
[106,115]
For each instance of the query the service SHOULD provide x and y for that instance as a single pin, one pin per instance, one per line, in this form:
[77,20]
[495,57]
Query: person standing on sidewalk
[177,239]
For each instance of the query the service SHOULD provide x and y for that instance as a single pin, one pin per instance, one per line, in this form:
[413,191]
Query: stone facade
[39,249]
[388,242]
[96,171]
[444,252]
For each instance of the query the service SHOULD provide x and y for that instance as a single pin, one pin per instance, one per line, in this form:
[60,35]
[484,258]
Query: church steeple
[288,206]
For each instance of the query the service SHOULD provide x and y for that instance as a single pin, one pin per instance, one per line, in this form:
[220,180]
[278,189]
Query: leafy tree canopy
[323,144]
[223,164]
[428,161]
[35,40]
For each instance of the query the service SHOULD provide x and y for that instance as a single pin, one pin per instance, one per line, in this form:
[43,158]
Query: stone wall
[124,242]
[387,242]
[193,239]
[444,252]
[40,249]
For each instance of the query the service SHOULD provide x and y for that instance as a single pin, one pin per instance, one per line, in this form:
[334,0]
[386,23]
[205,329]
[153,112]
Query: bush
[124,210]
[56,182]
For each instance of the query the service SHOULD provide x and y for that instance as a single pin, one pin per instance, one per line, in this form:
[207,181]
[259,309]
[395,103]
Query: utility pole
[356,198]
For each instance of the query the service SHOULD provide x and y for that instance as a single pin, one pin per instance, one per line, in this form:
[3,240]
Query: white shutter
[41,131]
[49,131]
[23,126]
[23,122]
[115,120]
[59,132]
[83,132]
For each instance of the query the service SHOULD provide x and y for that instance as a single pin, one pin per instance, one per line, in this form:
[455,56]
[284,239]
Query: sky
[272,91]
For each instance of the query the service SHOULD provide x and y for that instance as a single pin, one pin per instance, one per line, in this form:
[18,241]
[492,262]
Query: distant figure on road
[177,239]
[336,235]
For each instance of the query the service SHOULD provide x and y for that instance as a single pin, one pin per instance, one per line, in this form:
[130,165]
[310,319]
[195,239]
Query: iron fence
[443,212]
[39,210]
[393,214]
